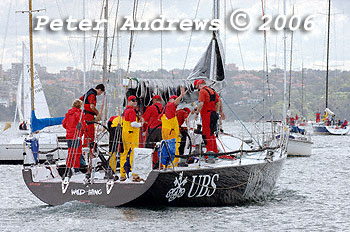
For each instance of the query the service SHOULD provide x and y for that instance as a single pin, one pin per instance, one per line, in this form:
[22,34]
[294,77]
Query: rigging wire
[66,33]
[240,121]
[190,39]
[6,29]
[239,43]
[161,41]
[290,66]
[131,41]
[114,31]
[97,38]
[136,32]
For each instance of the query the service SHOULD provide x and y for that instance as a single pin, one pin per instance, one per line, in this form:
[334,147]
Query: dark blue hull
[320,129]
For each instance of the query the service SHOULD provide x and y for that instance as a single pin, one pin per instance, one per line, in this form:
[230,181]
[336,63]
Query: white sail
[40,105]
[19,98]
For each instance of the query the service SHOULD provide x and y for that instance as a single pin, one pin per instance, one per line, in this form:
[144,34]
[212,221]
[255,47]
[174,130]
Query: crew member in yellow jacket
[114,127]
[130,135]
[170,125]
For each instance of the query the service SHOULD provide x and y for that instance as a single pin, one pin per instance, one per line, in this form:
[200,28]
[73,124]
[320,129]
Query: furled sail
[211,66]
[38,124]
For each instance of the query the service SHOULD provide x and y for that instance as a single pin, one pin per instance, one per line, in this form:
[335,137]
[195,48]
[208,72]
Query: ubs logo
[201,186]
[204,184]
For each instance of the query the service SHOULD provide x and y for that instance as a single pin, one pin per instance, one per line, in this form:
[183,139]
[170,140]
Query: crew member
[170,125]
[23,125]
[152,125]
[130,136]
[345,124]
[209,104]
[292,121]
[115,139]
[90,111]
[182,115]
[75,128]
[318,117]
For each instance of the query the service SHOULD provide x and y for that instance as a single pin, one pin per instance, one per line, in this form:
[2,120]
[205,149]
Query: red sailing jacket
[70,123]
[210,98]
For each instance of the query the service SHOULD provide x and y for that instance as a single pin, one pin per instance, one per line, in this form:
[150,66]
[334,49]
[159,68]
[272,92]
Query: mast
[84,52]
[284,70]
[31,53]
[290,66]
[104,67]
[105,34]
[302,89]
[216,15]
[329,23]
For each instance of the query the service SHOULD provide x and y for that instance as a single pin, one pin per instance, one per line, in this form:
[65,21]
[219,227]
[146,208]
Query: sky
[58,50]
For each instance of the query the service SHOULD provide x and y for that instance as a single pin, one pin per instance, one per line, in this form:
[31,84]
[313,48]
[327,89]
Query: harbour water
[312,194]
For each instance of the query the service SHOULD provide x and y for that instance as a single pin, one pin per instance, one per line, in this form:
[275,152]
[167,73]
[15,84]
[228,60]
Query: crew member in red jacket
[90,111]
[209,105]
[153,125]
[75,128]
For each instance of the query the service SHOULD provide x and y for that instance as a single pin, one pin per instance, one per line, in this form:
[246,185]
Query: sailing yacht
[248,174]
[12,139]
[299,142]
[328,126]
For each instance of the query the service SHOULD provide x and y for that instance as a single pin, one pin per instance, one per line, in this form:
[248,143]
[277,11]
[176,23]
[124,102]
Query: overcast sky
[57,50]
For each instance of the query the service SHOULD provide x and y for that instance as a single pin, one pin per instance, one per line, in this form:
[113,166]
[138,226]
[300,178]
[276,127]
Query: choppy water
[312,194]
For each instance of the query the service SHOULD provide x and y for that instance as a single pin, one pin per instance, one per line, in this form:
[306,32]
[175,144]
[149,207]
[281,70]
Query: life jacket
[85,98]
[209,106]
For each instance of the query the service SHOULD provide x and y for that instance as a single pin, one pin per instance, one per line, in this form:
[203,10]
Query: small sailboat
[11,142]
[328,126]
[246,172]
[35,115]
[299,142]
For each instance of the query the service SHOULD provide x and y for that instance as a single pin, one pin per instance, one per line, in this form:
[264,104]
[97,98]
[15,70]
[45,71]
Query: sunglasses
[134,100]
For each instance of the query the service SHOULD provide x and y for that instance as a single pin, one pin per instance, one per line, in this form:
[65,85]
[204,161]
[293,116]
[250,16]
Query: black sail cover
[146,88]
[204,66]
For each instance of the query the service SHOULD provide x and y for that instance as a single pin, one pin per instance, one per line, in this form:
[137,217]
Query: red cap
[198,82]
[173,97]
[131,97]
[187,110]
[156,97]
